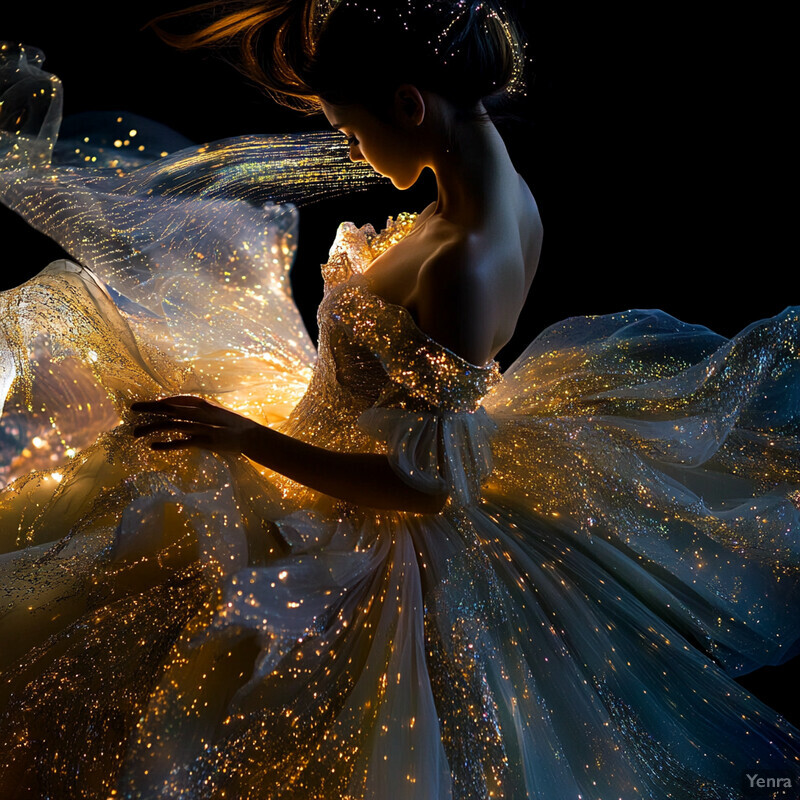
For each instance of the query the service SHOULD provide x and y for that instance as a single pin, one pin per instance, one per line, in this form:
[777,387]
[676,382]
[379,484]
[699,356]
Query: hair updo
[359,51]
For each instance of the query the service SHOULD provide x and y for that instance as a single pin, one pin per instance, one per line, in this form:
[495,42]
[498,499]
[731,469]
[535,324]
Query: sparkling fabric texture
[622,534]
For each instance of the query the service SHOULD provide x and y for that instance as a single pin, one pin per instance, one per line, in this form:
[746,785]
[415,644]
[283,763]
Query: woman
[463,274]
[444,583]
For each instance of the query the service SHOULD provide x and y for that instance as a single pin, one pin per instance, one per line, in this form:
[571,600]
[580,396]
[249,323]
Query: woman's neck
[471,164]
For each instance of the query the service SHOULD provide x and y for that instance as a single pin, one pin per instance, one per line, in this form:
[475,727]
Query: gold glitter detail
[382,385]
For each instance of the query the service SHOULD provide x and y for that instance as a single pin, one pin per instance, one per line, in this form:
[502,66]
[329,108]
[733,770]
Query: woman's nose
[355,154]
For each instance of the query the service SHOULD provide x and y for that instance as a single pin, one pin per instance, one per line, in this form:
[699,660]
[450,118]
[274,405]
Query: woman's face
[386,146]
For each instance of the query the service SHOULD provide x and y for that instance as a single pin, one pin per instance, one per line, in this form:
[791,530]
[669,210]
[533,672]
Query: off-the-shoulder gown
[621,538]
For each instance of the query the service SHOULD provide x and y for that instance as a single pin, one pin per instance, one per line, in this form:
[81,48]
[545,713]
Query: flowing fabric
[621,536]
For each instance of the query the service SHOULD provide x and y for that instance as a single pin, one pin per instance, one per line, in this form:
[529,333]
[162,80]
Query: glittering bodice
[372,352]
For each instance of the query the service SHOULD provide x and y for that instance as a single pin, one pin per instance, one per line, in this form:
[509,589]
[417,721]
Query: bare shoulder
[456,266]
[472,285]
[451,298]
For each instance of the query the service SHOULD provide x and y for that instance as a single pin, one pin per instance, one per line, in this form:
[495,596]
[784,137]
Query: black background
[652,139]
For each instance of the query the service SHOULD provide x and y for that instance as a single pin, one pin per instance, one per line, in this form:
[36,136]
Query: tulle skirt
[176,625]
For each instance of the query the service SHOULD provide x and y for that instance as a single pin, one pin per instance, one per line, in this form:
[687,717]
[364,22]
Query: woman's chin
[393,180]
[401,184]
[398,181]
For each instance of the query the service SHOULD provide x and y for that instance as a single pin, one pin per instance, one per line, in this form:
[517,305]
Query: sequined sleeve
[428,416]
[435,451]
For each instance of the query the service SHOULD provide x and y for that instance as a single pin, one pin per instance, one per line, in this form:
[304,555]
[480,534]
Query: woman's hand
[202,423]
[362,478]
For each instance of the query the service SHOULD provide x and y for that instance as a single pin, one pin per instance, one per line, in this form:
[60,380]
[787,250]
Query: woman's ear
[409,104]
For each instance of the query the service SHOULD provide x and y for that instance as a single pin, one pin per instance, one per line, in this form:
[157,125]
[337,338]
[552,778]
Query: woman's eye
[351,140]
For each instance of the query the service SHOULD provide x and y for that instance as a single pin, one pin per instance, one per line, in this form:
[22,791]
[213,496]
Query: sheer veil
[194,245]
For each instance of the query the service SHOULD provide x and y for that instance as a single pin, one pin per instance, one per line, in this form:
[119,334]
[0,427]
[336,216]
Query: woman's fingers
[192,409]
[170,425]
[200,434]
[207,424]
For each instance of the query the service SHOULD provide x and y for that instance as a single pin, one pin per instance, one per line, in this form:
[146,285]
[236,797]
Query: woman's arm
[363,478]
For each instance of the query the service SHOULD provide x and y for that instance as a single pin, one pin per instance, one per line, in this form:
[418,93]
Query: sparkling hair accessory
[451,38]
[300,51]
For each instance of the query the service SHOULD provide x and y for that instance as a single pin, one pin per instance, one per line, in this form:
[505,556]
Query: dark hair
[359,51]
